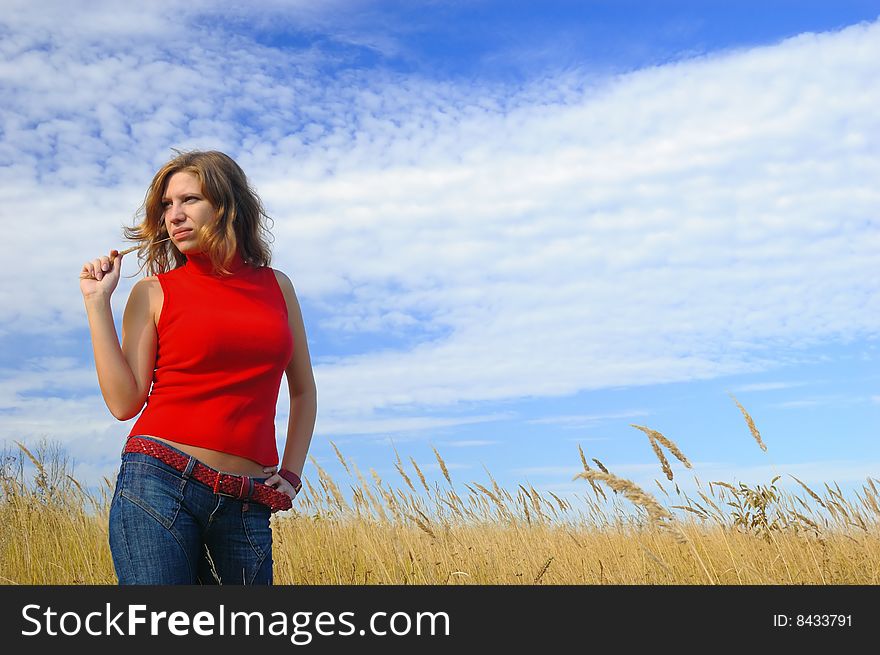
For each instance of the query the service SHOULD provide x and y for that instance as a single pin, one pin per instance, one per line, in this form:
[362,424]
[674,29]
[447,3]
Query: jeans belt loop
[190,465]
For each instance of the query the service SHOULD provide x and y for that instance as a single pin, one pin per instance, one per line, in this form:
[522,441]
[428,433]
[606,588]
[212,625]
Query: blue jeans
[168,528]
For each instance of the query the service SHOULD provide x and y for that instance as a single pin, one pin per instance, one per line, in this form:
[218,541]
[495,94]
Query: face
[186,210]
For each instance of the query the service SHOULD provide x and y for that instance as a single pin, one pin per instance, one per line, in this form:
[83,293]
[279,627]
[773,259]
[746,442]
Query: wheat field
[416,532]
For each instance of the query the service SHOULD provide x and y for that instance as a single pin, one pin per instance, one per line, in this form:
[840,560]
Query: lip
[181,231]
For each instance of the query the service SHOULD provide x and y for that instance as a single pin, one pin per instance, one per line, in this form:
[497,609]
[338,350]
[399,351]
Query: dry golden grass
[656,439]
[632,491]
[750,423]
[51,530]
[432,532]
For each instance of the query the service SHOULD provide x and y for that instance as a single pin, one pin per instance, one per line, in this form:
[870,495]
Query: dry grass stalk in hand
[120,253]
[133,248]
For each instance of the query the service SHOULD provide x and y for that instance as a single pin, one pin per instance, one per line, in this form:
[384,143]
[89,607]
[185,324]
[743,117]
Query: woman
[205,340]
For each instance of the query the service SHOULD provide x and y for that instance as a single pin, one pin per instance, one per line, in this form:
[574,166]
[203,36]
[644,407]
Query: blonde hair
[241,219]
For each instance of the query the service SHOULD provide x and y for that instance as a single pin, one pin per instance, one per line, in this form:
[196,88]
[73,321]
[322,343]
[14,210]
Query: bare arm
[303,392]
[124,371]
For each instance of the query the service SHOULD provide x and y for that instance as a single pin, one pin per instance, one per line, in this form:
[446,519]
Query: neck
[200,264]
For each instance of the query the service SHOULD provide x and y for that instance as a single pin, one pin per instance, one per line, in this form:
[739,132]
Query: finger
[97,269]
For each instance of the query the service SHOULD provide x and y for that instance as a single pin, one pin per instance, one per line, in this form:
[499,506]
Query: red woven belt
[224,484]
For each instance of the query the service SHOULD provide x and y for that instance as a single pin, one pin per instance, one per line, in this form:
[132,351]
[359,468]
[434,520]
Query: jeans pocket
[255,522]
[154,489]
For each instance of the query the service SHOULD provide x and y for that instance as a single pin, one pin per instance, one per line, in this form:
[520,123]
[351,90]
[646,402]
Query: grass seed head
[751,424]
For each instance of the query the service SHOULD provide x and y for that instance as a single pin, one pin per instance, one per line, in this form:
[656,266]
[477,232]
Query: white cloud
[768,386]
[830,400]
[563,471]
[583,420]
[401,427]
[687,221]
[470,443]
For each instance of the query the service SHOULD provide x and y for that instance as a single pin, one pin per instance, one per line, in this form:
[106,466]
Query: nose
[174,212]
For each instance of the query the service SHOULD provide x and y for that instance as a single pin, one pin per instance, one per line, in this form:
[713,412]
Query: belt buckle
[245,485]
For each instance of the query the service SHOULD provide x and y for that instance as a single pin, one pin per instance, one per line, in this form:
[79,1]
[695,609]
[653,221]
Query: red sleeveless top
[223,345]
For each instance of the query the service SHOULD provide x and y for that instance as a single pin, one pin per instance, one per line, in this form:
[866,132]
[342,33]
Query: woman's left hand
[278,482]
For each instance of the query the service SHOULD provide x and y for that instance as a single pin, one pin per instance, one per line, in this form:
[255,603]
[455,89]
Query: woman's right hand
[100,276]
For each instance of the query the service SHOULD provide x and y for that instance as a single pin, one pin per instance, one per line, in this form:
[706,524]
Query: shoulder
[283,282]
[289,294]
[148,285]
[147,294]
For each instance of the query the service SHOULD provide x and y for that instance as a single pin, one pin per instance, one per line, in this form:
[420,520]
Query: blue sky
[513,227]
